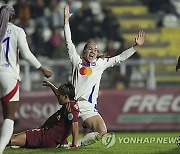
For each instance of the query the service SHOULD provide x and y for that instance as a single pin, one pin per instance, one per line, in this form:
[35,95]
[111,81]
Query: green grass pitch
[126,143]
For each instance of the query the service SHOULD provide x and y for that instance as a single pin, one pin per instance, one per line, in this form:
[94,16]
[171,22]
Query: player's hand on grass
[70,146]
[73,146]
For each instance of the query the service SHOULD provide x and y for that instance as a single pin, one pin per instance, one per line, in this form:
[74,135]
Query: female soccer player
[55,131]
[12,41]
[86,75]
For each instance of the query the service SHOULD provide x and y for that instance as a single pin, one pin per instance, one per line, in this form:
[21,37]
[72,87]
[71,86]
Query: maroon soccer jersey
[57,131]
[62,128]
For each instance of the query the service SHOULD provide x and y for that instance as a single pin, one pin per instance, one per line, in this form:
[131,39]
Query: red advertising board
[141,109]
[34,108]
[126,110]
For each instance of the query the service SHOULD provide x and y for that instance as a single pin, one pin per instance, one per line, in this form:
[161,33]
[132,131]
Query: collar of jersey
[88,64]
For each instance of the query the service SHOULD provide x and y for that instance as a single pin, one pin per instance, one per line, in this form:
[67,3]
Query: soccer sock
[6,133]
[89,139]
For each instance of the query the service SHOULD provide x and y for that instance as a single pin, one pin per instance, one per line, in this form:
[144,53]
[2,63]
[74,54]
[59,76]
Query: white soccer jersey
[14,42]
[86,76]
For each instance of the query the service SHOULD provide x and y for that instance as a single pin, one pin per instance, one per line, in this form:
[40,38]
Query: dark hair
[7,13]
[67,89]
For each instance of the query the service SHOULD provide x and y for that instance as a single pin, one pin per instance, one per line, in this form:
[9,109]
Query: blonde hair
[100,54]
[103,55]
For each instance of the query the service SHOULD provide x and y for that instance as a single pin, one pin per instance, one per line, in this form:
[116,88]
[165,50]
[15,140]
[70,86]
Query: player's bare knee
[13,141]
[103,131]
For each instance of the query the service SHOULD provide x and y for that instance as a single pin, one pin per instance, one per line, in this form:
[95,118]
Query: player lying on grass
[178,64]
[55,131]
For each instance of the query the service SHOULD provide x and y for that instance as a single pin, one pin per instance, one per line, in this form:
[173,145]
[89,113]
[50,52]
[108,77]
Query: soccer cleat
[14,146]
[178,141]
[89,139]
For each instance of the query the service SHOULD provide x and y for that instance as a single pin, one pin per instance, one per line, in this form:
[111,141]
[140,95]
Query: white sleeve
[110,62]
[25,51]
[73,56]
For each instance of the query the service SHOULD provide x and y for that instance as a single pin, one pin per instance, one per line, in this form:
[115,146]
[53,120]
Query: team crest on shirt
[93,63]
[70,116]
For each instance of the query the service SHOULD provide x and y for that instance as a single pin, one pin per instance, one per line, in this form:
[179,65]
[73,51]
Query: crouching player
[55,131]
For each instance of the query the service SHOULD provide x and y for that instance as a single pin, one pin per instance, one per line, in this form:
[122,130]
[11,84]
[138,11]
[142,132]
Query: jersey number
[7,47]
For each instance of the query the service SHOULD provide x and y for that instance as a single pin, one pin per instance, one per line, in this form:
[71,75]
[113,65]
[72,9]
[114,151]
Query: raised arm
[67,14]
[53,87]
[74,57]
[139,41]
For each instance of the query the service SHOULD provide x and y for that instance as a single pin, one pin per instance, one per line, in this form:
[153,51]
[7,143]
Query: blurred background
[143,93]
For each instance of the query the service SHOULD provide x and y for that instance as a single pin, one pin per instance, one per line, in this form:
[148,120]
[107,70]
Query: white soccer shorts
[9,88]
[87,110]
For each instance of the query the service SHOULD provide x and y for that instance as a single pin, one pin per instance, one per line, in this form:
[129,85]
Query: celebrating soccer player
[86,76]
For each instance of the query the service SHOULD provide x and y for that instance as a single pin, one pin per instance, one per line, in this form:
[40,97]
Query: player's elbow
[75,125]
[26,57]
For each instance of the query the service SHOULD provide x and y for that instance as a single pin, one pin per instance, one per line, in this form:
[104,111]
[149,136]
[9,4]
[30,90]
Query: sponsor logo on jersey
[85,71]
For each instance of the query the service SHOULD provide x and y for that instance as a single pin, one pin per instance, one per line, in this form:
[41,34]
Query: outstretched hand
[67,14]
[139,40]
[46,83]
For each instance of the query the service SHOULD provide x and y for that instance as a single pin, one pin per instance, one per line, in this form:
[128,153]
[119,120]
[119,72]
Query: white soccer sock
[89,139]
[6,133]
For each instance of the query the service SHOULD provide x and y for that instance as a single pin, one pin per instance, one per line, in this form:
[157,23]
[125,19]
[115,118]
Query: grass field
[126,143]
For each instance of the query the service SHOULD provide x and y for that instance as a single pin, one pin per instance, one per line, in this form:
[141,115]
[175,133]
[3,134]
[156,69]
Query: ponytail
[6,11]
[103,55]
